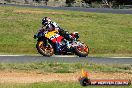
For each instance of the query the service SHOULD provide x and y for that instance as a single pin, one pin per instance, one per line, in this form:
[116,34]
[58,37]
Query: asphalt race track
[99,10]
[63,59]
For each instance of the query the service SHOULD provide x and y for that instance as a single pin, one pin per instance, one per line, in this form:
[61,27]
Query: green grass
[109,34]
[41,67]
[64,67]
[56,85]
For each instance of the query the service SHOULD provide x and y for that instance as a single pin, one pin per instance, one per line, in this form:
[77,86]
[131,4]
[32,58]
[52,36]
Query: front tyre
[45,50]
[81,50]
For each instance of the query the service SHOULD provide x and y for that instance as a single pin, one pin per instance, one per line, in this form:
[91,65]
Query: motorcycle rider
[49,25]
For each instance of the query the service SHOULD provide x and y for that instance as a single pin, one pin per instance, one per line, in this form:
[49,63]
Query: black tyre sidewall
[78,53]
[40,51]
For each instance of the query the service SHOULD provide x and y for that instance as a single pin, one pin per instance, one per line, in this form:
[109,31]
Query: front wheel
[81,50]
[45,50]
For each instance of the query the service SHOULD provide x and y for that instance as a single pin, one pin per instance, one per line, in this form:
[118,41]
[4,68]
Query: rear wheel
[81,50]
[45,50]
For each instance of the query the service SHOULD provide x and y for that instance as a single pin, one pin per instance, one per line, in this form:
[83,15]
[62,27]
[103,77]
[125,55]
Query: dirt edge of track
[34,77]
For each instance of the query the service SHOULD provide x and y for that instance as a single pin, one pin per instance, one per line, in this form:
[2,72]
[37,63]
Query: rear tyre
[82,50]
[45,50]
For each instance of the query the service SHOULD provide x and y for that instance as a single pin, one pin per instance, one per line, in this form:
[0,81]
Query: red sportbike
[50,43]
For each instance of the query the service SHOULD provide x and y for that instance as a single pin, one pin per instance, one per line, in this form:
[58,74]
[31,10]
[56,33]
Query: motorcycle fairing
[54,36]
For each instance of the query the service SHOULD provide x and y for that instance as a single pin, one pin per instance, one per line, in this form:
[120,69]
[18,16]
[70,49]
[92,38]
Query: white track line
[63,56]
[41,55]
[120,57]
[12,55]
[58,56]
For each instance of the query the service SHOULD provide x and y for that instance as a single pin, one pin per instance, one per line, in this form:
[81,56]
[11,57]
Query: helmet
[46,21]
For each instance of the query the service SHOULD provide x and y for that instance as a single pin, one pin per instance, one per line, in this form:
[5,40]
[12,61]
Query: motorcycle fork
[45,42]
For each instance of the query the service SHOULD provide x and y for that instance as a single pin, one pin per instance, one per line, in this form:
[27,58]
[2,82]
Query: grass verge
[64,67]
[104,33]
[56,85]
[43,67]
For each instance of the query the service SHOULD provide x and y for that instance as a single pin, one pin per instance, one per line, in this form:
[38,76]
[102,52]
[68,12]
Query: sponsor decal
[110,82]
[85,81]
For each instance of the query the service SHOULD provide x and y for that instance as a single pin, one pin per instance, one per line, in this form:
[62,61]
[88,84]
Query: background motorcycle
[51,42]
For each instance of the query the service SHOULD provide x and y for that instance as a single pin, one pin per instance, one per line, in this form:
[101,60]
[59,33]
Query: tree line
[113,2]
[119,2]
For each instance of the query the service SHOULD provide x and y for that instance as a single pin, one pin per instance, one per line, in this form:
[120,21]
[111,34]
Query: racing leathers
[54,26]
